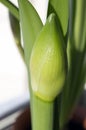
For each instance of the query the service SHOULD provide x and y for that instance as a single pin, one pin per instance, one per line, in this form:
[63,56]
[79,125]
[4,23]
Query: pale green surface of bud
[47,62]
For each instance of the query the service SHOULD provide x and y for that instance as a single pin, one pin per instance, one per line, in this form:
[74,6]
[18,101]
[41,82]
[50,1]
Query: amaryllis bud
[47,62]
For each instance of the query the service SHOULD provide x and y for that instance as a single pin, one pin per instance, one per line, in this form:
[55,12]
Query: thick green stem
[12,8]
[42,114]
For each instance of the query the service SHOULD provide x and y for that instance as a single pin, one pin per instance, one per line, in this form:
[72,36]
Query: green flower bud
[47,62]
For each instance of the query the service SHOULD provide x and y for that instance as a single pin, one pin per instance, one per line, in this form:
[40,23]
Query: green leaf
[30,25]
[76,51]
[12,8]
[14,23]
[61,9]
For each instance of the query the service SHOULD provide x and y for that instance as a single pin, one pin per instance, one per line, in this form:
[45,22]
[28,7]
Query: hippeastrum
[48,61]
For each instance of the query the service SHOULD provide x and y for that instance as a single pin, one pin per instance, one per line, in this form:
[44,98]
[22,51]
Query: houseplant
[51,53]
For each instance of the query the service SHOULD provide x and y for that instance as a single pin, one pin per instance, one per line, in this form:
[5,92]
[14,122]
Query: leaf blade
[30,24]
[61,8]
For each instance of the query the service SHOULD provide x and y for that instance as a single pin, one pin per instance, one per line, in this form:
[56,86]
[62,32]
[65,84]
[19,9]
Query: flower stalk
[47,73]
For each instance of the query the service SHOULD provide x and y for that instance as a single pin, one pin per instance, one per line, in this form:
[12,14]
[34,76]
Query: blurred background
[14,93]
[13,74]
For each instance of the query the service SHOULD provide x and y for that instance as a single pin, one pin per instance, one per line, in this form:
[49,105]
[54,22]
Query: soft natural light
[13,73]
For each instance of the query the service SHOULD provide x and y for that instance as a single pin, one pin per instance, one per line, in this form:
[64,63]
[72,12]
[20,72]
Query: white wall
[13,73]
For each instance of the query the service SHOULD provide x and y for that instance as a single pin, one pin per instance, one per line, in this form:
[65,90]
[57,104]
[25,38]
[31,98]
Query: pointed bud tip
[51,17]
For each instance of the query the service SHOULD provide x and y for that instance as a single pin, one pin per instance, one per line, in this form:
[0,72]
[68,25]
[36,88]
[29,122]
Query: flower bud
[47,62]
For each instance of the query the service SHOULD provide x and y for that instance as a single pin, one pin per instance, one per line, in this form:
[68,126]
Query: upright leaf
[61,9]
[30,25]
[12,8]
[76,51]
[14,23]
